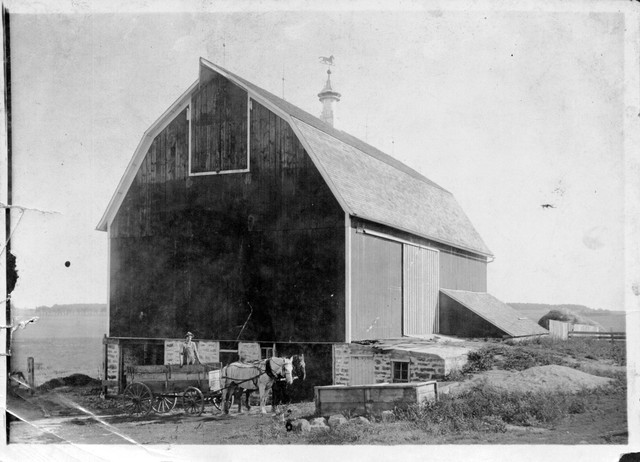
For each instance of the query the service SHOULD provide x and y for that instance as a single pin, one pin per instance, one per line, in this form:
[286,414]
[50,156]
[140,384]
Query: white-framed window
[219,116]
[400,371]
[267,352]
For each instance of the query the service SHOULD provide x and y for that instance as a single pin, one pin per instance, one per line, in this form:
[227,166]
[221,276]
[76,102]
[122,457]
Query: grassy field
[60,346]
[57,357]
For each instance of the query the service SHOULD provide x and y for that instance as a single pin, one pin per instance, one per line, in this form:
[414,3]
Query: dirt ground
[63,415]
[76,414]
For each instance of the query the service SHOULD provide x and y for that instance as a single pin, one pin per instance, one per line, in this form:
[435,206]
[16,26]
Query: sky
[508,110]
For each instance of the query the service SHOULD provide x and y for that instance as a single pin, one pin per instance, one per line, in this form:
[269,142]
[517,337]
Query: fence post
[31,374]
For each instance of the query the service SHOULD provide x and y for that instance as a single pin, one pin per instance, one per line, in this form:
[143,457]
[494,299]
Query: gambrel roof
[366,182]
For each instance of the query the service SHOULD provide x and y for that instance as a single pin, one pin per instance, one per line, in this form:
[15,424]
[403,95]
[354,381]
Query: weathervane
[328,96]
[328,61]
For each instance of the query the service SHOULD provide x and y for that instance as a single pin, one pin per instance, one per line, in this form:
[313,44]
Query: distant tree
[565,315]
[72,309]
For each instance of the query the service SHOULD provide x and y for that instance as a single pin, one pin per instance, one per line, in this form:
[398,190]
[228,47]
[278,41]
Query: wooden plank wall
[459,271]
[376,294]
[219,127]
[199,253]
[559,329]
[421,290]
[372,399]
[361,369]
[373,268]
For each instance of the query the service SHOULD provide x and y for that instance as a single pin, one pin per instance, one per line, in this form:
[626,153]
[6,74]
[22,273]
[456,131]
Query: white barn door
[421,283]
[361,370]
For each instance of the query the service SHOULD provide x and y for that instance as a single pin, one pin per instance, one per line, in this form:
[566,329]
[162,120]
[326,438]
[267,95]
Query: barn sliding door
[421,286]
[377,288]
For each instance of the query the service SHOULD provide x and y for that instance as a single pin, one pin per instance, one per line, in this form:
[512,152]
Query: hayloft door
[421,286]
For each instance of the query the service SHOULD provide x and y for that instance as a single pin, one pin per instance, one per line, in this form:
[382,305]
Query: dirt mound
[552,377]
[534,379]
[73,380]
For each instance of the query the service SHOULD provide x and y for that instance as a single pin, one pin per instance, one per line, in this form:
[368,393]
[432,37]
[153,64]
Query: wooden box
[373,398]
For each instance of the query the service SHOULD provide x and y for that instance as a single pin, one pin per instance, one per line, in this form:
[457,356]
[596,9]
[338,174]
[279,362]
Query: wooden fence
[613,336]
[564,330]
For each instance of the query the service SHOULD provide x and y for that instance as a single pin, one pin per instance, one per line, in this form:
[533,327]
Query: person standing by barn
[189,351]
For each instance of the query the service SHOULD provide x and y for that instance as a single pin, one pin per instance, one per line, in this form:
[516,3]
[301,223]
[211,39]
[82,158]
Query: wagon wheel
[163,404]
[193,401]
[137,399]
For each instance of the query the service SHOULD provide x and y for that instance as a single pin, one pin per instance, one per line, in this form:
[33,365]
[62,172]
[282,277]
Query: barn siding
[462,272]
[218,127]
[421,291]
[370,278]
[458,269]
[376,297]
[199,253]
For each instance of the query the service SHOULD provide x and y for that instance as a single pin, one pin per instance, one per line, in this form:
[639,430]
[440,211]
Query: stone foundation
[432,363]
[341,362]
[113,367]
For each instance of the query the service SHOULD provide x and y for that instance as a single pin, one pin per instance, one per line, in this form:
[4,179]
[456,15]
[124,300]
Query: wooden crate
[373,398]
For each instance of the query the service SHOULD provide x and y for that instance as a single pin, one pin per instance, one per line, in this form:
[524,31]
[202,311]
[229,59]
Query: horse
[259,375]
[279,394]
[299,366]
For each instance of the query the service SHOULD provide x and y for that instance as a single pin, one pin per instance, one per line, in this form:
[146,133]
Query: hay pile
[534,379]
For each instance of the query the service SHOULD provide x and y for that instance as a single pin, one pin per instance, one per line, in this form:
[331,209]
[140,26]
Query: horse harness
[267,370]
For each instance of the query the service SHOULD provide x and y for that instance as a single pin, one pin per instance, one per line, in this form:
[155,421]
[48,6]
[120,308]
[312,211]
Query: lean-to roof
[496,312]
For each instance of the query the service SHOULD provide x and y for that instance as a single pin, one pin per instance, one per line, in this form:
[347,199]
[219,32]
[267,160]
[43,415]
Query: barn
[261,228]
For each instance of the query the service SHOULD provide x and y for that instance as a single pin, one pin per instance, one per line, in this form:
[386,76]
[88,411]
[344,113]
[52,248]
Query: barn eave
[486,254]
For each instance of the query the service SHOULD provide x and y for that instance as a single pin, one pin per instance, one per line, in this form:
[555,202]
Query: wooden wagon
[158,388]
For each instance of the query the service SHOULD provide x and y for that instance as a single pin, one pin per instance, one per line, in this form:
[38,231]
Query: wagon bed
[159,387]
[171,377]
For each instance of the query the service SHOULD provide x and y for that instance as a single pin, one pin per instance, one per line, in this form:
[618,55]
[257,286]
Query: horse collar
[268,369]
